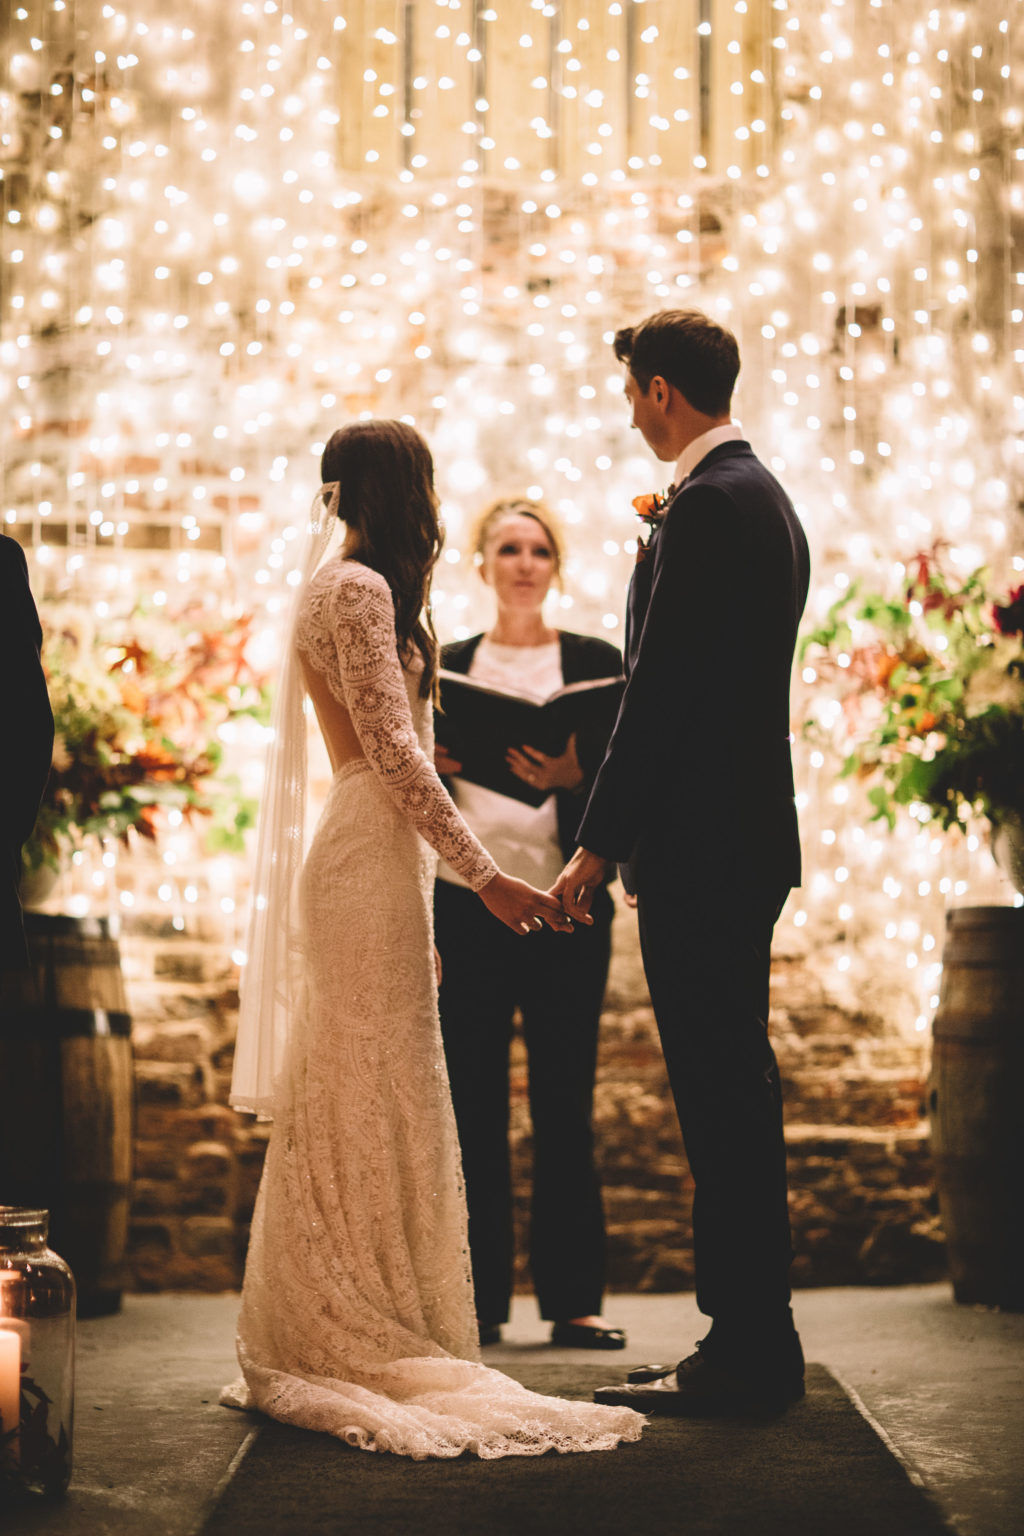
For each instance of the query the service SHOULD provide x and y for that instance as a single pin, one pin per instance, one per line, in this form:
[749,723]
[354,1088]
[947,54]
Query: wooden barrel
[976,1099]
[67,1096]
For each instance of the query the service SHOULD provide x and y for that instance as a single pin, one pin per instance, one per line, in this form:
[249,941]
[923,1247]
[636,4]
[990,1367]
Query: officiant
[556,981]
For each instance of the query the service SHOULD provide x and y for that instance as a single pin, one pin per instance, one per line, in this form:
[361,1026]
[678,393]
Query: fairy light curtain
[227,229]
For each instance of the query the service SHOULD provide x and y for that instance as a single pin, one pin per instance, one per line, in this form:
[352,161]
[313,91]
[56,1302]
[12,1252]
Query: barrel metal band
[65,1021]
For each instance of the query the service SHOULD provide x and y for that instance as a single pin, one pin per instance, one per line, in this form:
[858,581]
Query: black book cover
[478,723]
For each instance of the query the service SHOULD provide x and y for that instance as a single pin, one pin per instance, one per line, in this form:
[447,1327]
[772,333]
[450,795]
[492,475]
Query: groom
[695,800]
[25,762]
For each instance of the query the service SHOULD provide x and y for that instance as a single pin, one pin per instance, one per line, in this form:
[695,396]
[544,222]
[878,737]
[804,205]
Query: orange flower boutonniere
[650,509]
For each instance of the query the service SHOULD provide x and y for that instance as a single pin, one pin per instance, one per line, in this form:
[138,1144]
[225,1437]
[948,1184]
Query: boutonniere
[650,509]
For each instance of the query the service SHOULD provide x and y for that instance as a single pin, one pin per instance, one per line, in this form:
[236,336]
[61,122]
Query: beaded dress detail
[357,1309]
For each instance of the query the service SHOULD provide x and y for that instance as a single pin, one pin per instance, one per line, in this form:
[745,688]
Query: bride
[357,1307]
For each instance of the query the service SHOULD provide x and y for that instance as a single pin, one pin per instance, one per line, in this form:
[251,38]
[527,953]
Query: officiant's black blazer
[698,776]
[28,746]
[584,659]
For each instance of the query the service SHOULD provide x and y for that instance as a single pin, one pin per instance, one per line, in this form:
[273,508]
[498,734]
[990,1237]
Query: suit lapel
[639,594]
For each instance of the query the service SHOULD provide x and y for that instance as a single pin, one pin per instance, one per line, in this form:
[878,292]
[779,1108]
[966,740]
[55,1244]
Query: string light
[223,236]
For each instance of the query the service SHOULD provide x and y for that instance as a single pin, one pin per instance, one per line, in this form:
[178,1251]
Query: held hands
[577,883]
[542,772]
[521,908]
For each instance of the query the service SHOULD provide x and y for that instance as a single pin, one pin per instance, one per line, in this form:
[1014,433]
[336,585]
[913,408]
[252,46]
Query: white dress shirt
[692,454]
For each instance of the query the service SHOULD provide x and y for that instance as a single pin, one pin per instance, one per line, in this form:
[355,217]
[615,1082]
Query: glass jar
[37,1356]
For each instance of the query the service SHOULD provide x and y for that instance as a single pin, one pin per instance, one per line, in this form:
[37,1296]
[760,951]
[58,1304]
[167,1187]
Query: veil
[272,977]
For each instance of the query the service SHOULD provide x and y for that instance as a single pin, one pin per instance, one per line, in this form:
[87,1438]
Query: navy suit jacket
[25,761]
[698,779]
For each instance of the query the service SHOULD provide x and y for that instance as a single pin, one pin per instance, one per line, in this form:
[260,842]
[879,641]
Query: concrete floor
[943,1384]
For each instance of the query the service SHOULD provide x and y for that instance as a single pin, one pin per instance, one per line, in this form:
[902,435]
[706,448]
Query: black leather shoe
[587,1336]
[490,1333]
[648,1372]
[699,1387]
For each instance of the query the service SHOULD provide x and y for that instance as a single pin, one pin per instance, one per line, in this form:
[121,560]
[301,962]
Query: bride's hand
[521,908]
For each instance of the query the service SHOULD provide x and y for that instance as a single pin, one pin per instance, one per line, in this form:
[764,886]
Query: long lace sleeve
[348,636]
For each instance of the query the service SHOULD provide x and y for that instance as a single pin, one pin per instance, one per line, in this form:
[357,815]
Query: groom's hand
[577,883]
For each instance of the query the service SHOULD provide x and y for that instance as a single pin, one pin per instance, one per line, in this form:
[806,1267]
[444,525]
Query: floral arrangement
[929,691]
[138,723]
[650,509]
[29,1454]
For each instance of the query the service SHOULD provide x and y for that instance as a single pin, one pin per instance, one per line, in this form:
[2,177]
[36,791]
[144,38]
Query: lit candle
[10,1388]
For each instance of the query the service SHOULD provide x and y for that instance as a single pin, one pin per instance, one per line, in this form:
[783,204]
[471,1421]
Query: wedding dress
[357,1310]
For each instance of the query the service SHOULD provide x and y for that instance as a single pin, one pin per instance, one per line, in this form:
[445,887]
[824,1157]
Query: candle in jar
[10,1387]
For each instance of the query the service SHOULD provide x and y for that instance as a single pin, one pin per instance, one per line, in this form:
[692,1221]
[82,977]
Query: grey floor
[943,1384]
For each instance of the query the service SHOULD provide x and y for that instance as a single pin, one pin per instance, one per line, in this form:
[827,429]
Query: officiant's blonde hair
[518,506]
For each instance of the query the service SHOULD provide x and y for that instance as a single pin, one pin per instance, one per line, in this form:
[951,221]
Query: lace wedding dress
[357,1310]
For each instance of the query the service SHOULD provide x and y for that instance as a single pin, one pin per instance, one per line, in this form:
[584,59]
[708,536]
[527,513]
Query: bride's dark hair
[387,500]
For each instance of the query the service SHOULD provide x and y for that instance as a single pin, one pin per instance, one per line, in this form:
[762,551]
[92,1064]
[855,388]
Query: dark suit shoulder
[730,496]
[12,557]
[584,656]
[735,470]
[587,656]
[593,643]
[457,655]
[19,620]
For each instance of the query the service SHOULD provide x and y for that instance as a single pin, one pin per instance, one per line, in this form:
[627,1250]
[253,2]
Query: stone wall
[862,1205]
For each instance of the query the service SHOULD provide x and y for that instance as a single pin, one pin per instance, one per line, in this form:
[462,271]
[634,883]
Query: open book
[478,723]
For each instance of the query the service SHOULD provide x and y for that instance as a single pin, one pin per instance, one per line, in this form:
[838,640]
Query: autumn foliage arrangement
[926,693]
[650,508]
[140,722]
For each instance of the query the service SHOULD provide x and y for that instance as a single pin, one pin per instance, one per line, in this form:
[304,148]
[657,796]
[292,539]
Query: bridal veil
[272,976]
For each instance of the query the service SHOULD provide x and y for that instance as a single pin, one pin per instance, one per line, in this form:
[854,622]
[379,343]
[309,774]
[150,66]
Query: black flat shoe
[587,1336]
[490,1333]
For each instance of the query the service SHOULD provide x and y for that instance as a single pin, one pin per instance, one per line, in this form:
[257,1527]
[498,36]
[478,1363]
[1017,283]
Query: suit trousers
[706,956]
[557,982]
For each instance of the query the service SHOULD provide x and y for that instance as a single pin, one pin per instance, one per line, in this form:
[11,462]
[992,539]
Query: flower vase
[1008,847]
[37,1357]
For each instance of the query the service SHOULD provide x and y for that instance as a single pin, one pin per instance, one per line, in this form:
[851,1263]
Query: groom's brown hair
[688,349]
